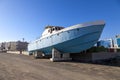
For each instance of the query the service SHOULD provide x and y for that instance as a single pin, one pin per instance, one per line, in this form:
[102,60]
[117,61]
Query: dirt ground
[21,67]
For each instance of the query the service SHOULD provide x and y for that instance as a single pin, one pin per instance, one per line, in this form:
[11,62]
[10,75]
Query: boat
[73,39]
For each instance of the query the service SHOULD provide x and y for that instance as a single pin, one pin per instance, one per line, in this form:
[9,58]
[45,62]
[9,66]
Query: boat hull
[69,41]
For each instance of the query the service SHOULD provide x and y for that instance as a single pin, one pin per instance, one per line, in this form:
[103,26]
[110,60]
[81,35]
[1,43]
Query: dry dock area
[22,67]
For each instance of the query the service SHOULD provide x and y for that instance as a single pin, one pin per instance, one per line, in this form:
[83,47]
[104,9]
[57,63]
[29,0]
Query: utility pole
[23,39]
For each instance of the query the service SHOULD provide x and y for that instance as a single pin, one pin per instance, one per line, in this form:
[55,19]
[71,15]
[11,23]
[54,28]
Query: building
[107,43]
[118,40]
[14,46]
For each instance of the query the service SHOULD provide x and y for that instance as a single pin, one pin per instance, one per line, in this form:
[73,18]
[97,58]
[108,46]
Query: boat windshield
[53,28]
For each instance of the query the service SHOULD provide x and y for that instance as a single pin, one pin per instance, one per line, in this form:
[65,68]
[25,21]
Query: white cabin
[50,29]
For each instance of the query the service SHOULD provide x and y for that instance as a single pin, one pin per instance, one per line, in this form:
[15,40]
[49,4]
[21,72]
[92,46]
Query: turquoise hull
[69,41]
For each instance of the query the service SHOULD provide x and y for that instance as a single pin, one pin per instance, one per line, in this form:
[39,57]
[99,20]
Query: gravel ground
[22,67]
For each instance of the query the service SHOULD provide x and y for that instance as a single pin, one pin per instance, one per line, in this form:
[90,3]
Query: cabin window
[58,28]
[53,29]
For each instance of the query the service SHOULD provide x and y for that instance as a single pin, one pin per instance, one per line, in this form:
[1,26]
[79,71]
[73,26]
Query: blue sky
[27,18]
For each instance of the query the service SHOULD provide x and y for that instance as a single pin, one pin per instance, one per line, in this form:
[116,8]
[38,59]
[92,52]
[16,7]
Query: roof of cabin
[53,26]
